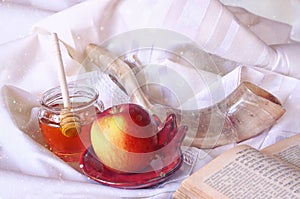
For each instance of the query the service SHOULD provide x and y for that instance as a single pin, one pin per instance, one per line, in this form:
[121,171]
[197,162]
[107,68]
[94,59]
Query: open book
[244,172]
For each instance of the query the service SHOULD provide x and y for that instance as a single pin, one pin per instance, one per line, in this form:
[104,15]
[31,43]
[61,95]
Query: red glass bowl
[94,169]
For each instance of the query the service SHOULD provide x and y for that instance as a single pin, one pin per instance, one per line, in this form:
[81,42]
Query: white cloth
[285,11]
[29,170]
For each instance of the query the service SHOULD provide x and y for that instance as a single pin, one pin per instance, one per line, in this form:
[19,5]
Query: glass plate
[93,168]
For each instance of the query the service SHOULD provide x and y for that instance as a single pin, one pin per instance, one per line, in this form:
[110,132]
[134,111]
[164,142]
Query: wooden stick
[61,73]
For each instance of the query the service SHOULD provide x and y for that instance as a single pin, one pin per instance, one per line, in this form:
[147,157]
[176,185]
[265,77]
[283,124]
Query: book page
[244,172]
[287,150]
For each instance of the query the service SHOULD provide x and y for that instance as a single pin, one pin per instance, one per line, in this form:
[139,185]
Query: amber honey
[85,105]
[68,148]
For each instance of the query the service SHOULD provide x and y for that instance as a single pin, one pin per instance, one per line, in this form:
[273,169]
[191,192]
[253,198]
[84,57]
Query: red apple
[124,138]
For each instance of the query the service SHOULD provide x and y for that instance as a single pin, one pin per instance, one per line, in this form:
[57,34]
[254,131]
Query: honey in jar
[85,105]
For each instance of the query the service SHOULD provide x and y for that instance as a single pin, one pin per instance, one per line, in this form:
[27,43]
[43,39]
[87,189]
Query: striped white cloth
[208,23]
[29,170]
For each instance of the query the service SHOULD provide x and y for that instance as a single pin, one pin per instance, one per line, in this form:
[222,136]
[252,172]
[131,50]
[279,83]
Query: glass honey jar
[85,105]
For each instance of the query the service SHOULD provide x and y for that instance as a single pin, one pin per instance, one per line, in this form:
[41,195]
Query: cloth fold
[40,187]
[201,21]
[231,36]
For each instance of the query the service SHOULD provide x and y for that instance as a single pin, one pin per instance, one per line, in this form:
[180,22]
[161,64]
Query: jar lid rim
[55,94]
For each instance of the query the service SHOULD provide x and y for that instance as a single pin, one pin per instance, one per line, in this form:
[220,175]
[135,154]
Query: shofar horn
[243,114]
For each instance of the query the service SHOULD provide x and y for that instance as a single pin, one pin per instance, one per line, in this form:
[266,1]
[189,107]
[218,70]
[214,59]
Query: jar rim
[54,94]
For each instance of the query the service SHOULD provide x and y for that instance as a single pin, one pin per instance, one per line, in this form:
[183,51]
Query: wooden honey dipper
[69,121]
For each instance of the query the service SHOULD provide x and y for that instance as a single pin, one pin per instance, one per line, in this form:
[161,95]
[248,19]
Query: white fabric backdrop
[28,170]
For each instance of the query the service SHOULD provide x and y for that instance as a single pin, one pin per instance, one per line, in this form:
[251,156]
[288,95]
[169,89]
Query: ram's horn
[245,113]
